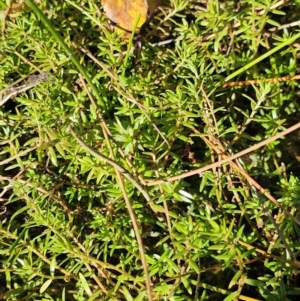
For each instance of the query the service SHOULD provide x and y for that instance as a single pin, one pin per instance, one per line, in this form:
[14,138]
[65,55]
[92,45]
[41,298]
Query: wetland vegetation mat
[149,154]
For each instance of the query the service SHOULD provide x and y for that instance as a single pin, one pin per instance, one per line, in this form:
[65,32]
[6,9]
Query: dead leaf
[125,13]
[10,12]
[152,5]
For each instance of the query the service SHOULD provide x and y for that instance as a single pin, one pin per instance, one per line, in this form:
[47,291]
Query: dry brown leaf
[125,13]
[152,5]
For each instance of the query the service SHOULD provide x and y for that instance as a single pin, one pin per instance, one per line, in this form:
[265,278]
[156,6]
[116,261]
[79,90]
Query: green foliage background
[66,233]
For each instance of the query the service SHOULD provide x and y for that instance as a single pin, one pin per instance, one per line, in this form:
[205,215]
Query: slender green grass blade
[66,48]
[262,57]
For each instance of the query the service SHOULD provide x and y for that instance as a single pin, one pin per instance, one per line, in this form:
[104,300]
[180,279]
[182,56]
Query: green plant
[82,217]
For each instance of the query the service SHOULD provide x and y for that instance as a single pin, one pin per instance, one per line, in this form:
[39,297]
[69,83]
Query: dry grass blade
[32,81]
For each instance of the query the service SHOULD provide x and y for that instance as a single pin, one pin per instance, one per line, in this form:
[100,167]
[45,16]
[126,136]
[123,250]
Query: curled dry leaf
[125,13]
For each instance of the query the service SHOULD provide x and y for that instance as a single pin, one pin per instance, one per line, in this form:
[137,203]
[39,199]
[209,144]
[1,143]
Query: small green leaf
[95,295]
[232,296]
[194,266]
[235,278]
[126,293]
[52,155]
[52,266]
[214,224]
[174,267]
[85,284]
[66,90]
[186,283]
[45,286]
[254,282]
[141,296]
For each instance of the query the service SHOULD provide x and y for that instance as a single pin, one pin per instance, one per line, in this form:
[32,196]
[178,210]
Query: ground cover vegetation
[111,181]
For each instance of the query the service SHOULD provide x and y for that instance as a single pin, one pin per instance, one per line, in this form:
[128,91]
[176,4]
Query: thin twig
[133,218]
[292,262]
[127,94]
[251,181]
[40,189]
[106,130]
[121,169]
[18,155]
[263,80]
[128,176]
[255,187]
[267,211]
[226,160]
